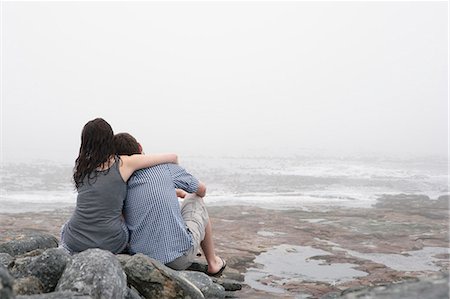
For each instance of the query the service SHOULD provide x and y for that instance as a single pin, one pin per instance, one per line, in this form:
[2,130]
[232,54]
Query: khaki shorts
[196,217]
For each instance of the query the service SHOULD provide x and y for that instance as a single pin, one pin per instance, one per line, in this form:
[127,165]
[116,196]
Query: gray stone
[49,266]
[28,285]
[20,268]
[204,283]
[56,295]
[94,272]
[228,284]
[6,260]
[123,258]
[434,287]
[197,266]
[132,294]
[6,284]
[29,243]
[154,280]
[200,280]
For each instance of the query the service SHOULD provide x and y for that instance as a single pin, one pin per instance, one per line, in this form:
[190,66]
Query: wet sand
[306,253]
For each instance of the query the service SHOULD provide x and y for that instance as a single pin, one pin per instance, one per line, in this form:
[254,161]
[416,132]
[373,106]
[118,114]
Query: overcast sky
[228,78]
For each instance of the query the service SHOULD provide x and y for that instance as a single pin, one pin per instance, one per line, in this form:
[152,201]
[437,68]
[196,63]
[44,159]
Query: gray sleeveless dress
[97,221]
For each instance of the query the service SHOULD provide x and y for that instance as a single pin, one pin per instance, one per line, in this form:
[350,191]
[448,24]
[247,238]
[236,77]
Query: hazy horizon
[226,78]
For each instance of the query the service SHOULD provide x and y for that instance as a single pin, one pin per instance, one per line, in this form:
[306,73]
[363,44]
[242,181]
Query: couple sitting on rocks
[128,201]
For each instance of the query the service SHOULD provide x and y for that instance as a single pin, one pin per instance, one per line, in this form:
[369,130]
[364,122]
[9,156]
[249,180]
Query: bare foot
[216,268]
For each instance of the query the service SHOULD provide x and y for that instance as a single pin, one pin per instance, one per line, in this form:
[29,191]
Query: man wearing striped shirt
[158,226]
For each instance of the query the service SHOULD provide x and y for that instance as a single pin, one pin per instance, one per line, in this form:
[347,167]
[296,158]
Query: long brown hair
[97,146]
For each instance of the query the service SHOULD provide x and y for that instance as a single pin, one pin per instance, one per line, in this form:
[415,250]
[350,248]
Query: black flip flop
[218,273]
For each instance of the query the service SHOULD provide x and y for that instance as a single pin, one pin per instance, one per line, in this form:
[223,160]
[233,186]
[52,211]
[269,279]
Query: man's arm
[201,191]
[186,181]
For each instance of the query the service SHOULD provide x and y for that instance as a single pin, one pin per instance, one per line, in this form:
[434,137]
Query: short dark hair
[126,144]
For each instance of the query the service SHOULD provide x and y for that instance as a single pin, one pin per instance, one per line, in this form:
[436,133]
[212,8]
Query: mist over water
[226,78]
[294,182]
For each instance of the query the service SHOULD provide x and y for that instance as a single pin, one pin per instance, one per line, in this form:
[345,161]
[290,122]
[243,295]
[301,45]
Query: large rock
[20,267]
[47,267]
[28,286]
[6,260]
[433,287]
[6,284]
[56,295]
[230,283]
[28,243]
[205,284]
[52,273]
[154,280]
[94,272]
[132,294]
[123,258]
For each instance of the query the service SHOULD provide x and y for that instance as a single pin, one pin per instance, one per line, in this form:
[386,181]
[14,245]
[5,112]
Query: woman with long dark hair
[100,177]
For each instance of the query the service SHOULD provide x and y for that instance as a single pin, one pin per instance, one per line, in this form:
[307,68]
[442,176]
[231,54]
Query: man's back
[152,211]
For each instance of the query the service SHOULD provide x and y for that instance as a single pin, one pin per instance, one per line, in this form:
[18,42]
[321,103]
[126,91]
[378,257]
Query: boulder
[28,286]
[20,267]
[205,284]
[28,243]
[123,258]
[229,279]
[56,295]
[49,266]
[6,284]
[228,284]
[41,271]
[132,294]
[432,287]
[94,272]
[154,280]
[6,260]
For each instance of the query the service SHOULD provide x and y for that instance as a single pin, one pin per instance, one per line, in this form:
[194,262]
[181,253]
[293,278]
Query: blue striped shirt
[152,212]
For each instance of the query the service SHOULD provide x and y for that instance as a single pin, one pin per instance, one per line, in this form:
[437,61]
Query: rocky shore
[32,267]
[399,246]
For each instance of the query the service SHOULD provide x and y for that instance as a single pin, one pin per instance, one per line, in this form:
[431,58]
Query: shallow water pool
[285,263]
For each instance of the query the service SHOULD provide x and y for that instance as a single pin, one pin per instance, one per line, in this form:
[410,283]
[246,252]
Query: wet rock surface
[435,286]
[399,239]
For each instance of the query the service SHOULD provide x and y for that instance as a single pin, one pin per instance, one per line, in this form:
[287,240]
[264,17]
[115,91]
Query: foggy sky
[228,78]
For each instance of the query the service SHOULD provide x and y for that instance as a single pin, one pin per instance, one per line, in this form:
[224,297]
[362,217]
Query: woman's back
[96,222]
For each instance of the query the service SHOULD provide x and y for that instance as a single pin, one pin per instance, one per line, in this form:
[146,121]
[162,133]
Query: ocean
[267,182]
